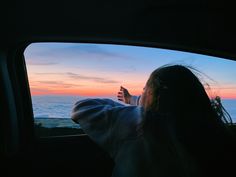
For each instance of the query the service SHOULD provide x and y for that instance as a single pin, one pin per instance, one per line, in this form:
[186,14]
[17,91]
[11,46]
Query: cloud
[91,49]
[50,73]
[50,82]
[58,84]
[96,79]
[62,51]
[225,88]
[79,77]
[38,90]
[33,89]
[32,62]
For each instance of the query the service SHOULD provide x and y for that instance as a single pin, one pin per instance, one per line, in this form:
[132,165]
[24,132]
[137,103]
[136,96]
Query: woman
[173,132]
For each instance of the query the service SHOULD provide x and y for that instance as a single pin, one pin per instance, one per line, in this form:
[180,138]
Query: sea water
[61,106]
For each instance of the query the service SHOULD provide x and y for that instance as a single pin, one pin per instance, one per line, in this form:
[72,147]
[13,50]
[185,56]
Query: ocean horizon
[50,106]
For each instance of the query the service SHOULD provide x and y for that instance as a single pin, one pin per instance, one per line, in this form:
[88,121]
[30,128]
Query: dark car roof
[198,26]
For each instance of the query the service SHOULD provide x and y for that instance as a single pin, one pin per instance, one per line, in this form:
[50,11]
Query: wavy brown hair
[182,110]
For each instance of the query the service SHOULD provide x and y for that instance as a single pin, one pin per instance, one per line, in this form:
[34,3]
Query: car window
[62,73]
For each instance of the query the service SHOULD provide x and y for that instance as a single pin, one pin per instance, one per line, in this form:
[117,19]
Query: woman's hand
[124,95]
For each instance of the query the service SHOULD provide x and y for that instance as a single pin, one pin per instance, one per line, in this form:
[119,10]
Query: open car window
[62,73]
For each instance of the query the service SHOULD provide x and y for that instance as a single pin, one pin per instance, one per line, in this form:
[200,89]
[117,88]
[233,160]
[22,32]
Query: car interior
[201,27]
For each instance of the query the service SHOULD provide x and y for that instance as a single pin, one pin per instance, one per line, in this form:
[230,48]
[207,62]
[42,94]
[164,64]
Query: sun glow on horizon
[224,94]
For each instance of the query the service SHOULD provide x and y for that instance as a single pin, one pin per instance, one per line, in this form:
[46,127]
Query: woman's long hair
[182,107]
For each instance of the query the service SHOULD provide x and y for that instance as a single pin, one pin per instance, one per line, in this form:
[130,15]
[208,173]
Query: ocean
[59,107]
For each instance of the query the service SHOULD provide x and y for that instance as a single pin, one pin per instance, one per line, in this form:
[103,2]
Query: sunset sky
[99,70]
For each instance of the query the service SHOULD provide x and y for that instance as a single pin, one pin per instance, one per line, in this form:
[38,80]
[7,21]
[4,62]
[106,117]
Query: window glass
[62,73]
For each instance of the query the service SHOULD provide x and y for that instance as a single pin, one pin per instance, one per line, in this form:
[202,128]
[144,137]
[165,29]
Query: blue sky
[99,69]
